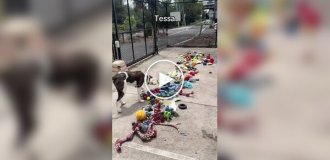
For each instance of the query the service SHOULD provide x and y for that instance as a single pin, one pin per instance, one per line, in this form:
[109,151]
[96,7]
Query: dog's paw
[122,103]
[119,110]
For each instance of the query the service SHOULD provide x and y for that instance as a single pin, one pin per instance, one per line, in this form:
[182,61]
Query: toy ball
[140,115]
[148,98]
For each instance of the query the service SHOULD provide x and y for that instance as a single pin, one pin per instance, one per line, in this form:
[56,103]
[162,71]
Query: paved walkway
[198,121]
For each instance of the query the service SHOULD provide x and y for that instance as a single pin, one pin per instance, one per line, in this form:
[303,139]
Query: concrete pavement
[198,121]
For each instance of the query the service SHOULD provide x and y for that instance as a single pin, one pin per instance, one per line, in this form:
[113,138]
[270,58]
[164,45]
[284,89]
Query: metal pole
[144,29]
[130,29]
[116,28]
[155,27]
[216,17]
[114,52]
[166,5]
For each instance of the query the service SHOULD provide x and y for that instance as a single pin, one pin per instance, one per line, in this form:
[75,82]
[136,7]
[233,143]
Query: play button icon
[163,79]
[169,77]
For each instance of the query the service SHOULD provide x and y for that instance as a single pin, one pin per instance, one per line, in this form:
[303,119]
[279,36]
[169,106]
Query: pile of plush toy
[157,112]
[188,62]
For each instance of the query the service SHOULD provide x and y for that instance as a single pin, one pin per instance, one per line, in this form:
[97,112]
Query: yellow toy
[140,115]
[194,63]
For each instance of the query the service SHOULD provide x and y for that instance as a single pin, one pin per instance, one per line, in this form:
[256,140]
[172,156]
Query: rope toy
[150,133]
[186,94]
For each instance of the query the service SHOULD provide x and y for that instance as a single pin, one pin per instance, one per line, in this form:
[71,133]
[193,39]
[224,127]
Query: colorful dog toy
[140,115]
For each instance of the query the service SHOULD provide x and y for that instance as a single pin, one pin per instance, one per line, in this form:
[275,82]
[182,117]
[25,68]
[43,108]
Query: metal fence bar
[117,50]
[130,28]
[166,14]
[121,34]
[155,27]
[114,56]
[144,29]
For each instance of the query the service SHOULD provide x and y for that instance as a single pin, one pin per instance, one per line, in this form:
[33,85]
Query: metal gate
[134,29]
[137,35]
[197,25]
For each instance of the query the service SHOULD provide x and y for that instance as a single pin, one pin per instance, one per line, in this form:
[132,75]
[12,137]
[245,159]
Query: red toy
[156,90]
[212,60]
[187,77]
[208,56]
[192,73]
[186,94]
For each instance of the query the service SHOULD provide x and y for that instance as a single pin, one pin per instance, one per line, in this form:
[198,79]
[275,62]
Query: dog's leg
[22,94]
[122,102]
[139,86]
[124,90]
[118,106]
[119,100]
[120,86]
[139,91]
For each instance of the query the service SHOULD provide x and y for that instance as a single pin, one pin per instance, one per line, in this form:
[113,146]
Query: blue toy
[237,95]
[187,84]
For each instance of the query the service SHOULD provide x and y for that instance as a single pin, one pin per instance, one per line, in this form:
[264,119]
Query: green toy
[167,115]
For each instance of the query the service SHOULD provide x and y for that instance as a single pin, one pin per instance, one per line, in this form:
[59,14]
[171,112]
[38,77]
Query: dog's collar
[125,74]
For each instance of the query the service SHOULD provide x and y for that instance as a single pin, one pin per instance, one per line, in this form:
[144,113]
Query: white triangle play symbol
[163,79]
